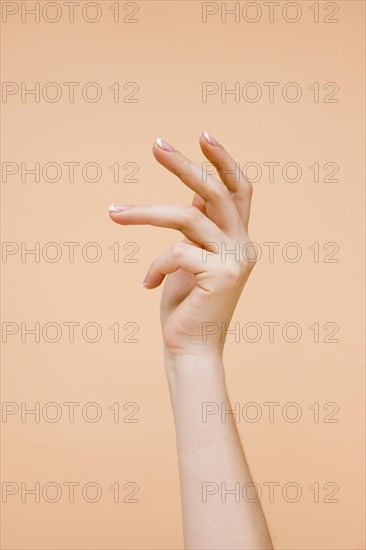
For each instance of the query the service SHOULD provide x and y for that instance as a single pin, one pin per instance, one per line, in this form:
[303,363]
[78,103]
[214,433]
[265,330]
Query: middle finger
[218,202]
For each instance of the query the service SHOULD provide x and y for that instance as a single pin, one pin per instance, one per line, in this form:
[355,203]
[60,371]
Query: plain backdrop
[112,369]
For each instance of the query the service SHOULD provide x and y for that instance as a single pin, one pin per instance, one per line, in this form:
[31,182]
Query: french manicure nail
[210,139]
[164,145]
[118,207]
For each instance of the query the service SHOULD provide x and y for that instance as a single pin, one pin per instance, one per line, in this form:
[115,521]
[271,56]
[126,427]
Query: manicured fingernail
[210,139]
[164,145]
[144,282]
[118,207]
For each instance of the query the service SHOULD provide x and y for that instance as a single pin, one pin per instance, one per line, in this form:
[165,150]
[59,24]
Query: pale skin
[202,286]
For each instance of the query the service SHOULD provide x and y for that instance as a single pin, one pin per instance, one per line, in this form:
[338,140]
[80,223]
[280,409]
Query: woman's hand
[206,274]
[208,270]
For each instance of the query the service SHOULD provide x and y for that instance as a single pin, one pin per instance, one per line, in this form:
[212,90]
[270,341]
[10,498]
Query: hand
[208,270]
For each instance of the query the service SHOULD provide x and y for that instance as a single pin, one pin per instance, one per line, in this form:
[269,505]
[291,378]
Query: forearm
[212,462]
[204,283]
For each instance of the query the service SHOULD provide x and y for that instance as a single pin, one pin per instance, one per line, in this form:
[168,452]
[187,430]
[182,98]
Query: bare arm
[204,283]
[220,507]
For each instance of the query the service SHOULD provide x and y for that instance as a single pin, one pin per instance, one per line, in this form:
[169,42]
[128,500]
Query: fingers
[230,173]
[187,219]
[180,255]
[207,267]
[228,169]
[219,205]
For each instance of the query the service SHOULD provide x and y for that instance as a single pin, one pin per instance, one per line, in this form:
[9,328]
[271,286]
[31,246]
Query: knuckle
[192,214]
[219,192]
[244,193]
[183,167]
[232,274]
[177,250]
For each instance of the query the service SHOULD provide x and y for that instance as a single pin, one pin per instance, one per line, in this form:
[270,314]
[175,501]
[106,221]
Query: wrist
[199,354]
[193,365]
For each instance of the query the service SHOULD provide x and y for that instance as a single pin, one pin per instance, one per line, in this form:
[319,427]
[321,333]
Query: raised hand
[208,270]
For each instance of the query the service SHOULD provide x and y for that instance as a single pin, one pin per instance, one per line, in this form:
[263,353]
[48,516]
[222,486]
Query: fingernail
[144,282]
[164,145]
[118,207]
[210,139]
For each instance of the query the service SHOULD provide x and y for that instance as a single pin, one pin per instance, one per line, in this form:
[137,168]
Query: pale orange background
[169,53]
